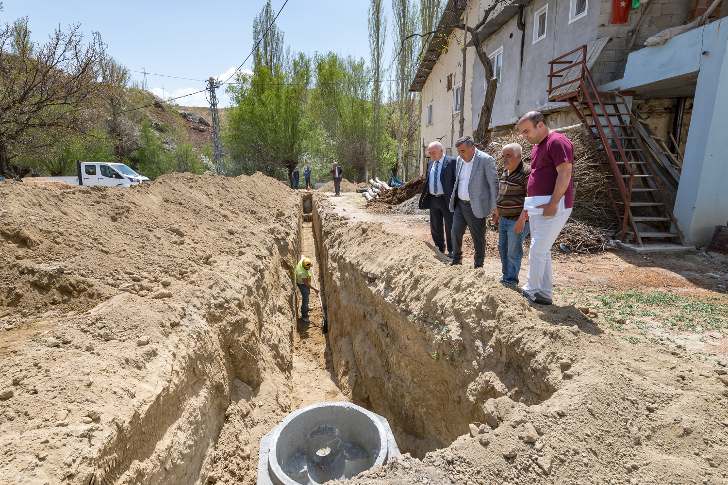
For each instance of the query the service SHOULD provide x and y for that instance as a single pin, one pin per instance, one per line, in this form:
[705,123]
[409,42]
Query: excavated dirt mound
[488,389]
[346,186]
[134,323]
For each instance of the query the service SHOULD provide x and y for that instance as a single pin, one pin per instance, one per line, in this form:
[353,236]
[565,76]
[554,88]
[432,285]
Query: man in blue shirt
[439,181]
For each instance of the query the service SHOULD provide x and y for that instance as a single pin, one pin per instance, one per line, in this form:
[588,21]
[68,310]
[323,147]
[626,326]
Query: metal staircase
[643,208]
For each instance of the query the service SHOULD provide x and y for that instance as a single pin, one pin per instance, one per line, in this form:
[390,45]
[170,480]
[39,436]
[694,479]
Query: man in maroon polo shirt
[549,201]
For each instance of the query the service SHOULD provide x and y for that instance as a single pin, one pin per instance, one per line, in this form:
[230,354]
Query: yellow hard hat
[306,262]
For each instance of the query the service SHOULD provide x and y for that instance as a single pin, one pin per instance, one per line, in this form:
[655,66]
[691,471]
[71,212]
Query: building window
[578,9]
[540,23]
[457,98]
[429,114]
[496,60]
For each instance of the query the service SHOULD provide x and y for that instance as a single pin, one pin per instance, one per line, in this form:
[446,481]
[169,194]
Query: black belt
[510,218]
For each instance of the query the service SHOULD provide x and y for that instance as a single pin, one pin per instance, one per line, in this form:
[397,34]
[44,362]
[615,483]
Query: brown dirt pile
[510,393]
[346,186]
[134,323]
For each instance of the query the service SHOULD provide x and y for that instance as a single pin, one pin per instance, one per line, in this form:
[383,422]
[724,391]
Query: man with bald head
[439,180]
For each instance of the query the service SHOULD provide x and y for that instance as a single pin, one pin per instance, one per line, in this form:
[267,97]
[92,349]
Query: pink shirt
[553,150]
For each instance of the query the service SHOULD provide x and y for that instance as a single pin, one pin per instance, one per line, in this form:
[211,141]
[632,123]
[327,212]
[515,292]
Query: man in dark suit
[439,181]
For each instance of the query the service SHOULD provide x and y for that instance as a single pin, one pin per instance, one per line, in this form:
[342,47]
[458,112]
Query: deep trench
[392,357]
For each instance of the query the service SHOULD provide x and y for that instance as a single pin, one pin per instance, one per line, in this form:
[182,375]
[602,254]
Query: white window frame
[429,115]
[493,55]
[457,98]
[572,11]
[541,11]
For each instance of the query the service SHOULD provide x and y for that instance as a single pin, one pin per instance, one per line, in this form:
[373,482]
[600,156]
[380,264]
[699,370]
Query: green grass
[676,311]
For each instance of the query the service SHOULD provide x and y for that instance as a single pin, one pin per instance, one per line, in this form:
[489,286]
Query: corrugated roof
[449,19]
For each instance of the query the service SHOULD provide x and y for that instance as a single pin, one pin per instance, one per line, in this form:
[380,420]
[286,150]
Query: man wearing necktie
[436,191]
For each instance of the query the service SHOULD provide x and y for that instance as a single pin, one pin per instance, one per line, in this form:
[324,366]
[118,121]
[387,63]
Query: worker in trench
[303,281]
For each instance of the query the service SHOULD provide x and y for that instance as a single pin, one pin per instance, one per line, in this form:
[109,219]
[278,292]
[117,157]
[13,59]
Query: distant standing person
[549,201]
[307,176]
[303,281]
[337,173]
[509,206]
[473,198]
[436,193]
[295,178]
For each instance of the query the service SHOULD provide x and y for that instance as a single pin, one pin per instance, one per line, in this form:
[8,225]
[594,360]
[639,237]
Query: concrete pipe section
[322,442]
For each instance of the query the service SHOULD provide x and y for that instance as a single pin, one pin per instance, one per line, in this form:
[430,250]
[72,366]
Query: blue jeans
[510,247]
[305,290]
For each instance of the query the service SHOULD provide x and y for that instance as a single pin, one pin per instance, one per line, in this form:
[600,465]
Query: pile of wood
[591,175]
[381,193]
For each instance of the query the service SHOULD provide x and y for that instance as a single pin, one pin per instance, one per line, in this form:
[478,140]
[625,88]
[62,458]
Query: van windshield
[121,168]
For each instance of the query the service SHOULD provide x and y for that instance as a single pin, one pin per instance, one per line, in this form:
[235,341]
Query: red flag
[620,11]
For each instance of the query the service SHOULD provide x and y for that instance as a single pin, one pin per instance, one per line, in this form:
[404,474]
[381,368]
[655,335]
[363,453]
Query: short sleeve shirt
[301,273]
[554,150]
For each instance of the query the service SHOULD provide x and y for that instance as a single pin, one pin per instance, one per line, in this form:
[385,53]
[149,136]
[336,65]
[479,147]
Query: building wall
[658,16]
[446,122]
[525,81]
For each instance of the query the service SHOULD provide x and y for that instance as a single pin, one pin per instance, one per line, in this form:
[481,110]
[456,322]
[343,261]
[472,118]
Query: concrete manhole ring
[325,441]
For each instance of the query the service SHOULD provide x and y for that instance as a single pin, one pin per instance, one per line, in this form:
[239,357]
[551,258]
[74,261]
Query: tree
[377,40]
[429,13]
[266,128]
[114,79]
[47,87]
[405,21]
[269,52]
[482,134]
[151,157]
[342,113]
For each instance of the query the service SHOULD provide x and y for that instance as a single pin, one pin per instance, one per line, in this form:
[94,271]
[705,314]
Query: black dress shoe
[455,262]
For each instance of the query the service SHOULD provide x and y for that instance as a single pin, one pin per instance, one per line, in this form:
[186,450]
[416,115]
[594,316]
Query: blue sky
[196,39]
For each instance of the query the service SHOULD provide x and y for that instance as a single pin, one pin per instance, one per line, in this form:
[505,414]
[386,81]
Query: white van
[108,174]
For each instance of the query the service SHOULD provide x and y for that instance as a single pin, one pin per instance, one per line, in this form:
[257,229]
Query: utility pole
[212,85]
[144,83]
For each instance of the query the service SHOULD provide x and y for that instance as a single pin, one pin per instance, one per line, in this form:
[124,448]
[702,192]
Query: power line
[226,80]
[255,47]
[165,100]
[146,73]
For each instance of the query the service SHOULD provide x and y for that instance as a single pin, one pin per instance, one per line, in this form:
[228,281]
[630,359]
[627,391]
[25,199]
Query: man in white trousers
[549,201]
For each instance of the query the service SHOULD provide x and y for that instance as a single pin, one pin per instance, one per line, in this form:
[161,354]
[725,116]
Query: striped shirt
[512,191]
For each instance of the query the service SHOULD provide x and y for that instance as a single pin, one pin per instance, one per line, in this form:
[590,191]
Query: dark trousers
[439,212]
[308,181]
[337,185]
[305,291]
[462,218]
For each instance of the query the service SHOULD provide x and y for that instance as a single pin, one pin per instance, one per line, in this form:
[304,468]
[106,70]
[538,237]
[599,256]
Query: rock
[166,283]
[538,446]
[723,379]
[510,454]
[86,420]
[142,341]
[162,294]
[94,415]
[6,394]
[484,440]
[16,381]
[482,429]
[544,463]
[529,435]
[52,342]
[473,430]
[651,408]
